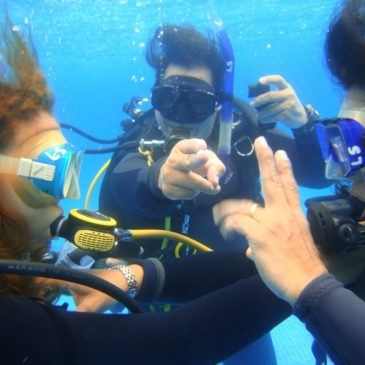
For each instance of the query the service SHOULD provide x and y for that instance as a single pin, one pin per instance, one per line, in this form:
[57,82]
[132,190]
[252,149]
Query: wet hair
[23,89]
[24,94]
[186,47]
[345,44]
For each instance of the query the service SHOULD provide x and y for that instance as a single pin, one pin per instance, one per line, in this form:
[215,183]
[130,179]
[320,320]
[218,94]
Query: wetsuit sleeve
[133,185]
[208,271]
[171,280]
[336,318]
[203,331]
[305,154]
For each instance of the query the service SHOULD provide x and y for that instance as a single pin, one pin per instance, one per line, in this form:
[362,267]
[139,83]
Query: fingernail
[262,140]
[282,155]
[201,154]
[201,144]
[262,80]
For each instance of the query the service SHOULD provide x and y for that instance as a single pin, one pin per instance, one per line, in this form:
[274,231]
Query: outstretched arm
[154,191]
[173,281]
[203,331]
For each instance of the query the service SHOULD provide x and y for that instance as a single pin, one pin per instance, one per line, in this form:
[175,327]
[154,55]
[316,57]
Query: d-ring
[252,210]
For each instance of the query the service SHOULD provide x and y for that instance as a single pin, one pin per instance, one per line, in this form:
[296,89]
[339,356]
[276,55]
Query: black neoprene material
[336,318]
[203,331]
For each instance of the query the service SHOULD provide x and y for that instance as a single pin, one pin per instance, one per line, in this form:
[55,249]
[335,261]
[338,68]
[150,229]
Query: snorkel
[226,122]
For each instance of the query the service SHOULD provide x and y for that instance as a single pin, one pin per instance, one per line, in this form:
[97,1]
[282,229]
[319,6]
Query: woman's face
[36,208]
[191,130]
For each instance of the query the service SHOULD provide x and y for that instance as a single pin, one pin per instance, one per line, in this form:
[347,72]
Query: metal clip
[244,146]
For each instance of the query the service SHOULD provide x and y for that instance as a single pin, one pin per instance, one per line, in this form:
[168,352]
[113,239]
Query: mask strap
[26,168]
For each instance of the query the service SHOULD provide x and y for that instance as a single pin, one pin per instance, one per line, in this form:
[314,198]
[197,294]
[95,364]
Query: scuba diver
[174,185]
[159,187]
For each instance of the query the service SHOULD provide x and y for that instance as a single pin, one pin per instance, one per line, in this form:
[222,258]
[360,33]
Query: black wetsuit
[336,318]
[233,309]
[130,194]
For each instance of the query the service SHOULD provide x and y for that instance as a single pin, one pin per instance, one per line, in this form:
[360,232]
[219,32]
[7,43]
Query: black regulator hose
[100,151]
[247,112]
[26,268]
[89,136]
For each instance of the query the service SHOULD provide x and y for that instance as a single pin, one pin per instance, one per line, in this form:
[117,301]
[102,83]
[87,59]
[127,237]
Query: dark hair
[345,43]
[185,47]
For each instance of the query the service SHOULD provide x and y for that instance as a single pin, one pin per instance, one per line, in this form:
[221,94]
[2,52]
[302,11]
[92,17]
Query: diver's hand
[91,300]
[280,105]
[190,169]
[278,235]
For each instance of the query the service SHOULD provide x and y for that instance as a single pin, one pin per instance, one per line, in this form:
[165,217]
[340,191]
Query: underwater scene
[93,55]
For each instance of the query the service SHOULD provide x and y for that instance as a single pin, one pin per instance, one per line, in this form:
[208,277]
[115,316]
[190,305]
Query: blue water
[92,52]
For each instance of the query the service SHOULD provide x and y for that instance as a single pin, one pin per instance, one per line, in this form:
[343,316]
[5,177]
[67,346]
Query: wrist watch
[130,279]
[312,119]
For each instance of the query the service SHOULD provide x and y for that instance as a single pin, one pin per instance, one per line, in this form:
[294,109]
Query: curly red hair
[24,94]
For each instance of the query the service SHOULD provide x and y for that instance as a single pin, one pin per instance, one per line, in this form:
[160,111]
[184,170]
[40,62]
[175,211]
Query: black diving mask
[184,100]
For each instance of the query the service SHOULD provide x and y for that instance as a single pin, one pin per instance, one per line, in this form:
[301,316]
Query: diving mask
[184,99]
[342,146]
[55,171]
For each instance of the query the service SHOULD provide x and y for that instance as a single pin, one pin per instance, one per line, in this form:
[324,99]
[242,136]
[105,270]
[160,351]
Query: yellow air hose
[160,233]
[150,233]
[93,183]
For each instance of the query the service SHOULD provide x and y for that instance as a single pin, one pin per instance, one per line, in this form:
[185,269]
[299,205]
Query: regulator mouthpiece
[88,230]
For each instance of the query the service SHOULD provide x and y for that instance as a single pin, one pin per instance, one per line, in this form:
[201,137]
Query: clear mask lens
[67,162]
[55,171]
